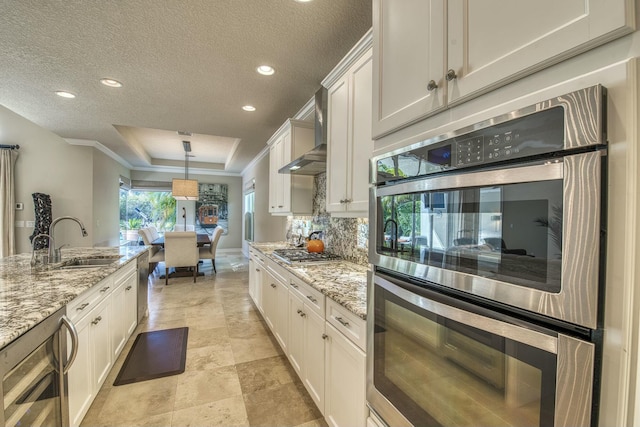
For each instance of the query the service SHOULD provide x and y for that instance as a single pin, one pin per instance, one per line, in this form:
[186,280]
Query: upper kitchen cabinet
[290,194]
[429,54]
[349,139]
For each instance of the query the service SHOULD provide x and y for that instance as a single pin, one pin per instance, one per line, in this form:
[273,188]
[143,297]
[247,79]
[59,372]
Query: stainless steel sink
[89,263]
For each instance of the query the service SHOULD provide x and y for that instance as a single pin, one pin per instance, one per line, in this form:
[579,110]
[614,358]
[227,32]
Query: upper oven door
[526,236]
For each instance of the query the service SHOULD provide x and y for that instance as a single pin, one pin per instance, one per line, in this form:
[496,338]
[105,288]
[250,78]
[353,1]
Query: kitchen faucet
[54,254]
[45,261]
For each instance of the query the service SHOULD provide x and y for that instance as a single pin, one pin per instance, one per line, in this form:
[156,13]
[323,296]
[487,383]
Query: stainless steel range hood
[315,161]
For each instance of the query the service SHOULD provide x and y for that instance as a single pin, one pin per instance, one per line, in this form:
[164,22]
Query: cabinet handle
[303,314]
[273,285]
[299,311]
[82,307]
[451,75]
[105,289]
[342,201]
[348,200]
[128,288]
[432,85]
[294,285]
[344,323]
[312,299]
[325,336]
[96,320]
[258,270]
[280,206]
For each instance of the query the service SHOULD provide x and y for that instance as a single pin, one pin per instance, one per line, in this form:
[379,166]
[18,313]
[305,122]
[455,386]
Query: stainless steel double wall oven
[487,247]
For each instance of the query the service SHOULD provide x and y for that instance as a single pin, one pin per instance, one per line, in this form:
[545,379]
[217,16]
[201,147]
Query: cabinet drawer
[86,301]
[351,326]
[123,274]
[312,297]
[278,272]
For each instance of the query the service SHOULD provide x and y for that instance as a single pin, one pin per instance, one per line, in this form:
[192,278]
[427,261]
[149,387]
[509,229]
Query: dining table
[201,240]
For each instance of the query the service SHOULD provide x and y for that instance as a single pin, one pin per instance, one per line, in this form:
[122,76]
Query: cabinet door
[131,305]
[281,315]
[119,318]
[269,300]
[284,200]
[313,369]
[408,52]
[252,277]
[345,377]
[361,147]
[296,333]
[100,342]
[273,177]
[338,144]
[493,42]
[81,392]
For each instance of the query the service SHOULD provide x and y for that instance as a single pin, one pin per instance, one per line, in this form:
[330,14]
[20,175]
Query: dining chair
[178,227]
[153,232]
[180,250]
[156,254]
[209,252]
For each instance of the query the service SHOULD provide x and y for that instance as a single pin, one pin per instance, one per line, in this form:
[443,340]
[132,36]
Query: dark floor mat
[155,354]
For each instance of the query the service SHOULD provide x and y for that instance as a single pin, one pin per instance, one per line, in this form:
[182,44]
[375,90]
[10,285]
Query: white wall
[266,227]
[232,240]
[106,199]
[48,164]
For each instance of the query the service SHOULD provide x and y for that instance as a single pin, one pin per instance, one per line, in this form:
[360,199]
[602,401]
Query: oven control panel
[532,135]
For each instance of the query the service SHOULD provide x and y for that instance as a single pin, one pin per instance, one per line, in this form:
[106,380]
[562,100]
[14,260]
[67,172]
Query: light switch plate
[19,206]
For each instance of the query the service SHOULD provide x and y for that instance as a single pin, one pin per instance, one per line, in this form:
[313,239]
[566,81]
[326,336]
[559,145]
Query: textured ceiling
[185,65]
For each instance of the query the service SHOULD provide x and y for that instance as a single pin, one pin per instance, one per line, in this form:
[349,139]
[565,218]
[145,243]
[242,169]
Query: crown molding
[99,147]
[352,56]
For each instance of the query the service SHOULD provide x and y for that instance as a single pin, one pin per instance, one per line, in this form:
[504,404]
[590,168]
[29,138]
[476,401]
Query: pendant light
[185,189]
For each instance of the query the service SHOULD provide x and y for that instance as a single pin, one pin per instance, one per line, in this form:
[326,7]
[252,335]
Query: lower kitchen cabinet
[345,381]
[275,301]
[105,316]
[256,269]
[93,360]
[124,303]
[306,347]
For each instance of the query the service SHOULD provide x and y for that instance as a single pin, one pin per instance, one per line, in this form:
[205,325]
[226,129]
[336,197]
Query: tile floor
[236,373]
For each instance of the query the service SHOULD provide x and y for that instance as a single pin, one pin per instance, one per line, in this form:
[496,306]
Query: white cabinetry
[290,194]
[123,307]
[345,367]
[91,314]
[432,53]
[105,316]
[306,343]
[349,140]
[256,270]
[275,299]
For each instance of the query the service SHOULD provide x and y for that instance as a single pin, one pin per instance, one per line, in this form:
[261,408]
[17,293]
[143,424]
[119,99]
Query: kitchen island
[29,295]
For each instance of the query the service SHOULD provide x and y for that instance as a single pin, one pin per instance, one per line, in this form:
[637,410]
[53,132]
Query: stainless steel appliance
[487,246]
[34,374]
[143,285]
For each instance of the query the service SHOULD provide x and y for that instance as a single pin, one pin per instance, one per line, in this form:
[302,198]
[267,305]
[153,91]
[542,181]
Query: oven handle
[548,171]
[533,338]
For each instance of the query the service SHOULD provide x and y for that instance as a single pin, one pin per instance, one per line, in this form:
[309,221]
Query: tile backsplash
[347,237]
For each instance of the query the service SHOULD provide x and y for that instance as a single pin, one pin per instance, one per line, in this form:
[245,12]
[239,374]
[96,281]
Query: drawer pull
[96,320]
[82,307]
[273,285]
[105,289]
[294,285]
[312,299]
[343,322]
[299,311]
[128,288]
[258,270]
[303,314]
[325,336]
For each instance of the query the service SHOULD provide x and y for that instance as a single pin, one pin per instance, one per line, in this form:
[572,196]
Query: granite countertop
[29,295]
[342,281]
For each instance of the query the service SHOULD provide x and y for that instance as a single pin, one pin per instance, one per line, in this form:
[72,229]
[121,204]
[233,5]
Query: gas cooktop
[299,255]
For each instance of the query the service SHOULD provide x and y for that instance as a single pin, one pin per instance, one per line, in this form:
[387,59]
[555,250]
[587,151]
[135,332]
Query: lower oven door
[436,361]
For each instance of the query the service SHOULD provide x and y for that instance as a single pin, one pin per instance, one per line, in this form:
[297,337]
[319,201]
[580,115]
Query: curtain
[7,202]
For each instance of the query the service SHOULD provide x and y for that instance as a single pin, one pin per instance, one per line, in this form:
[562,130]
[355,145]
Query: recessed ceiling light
[65,94]
[303,1]
[249,108]
[110,82]
[266,70]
